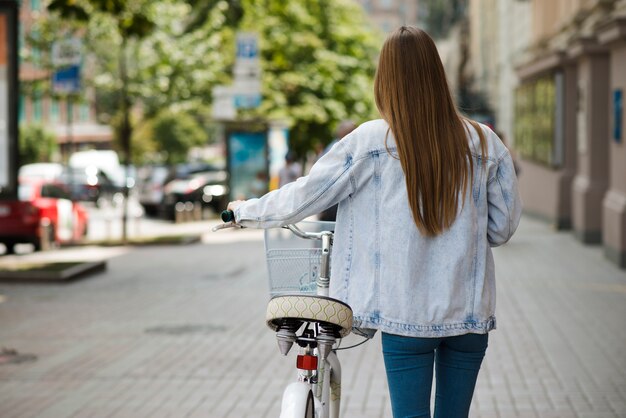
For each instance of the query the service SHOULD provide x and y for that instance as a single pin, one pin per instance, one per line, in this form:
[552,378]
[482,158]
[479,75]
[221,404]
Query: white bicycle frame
[327,392]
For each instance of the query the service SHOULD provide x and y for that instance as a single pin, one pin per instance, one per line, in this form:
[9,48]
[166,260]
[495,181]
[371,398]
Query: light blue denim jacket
[394,278]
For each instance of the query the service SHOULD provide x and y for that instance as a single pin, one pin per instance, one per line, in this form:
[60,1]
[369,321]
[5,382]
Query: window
[538,118]
[83,112]
[35,4]
[21,109]
[35,52]
[54,191]
[54,110]
[37,107]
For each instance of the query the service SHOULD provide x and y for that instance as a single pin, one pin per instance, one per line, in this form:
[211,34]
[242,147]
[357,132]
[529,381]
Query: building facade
[560,101]
[499,35]
[37,107]
[387,15]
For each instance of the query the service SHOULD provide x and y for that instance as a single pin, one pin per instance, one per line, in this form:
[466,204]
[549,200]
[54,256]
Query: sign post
[66,58]
[8,99]
[246,141]
[245,93]
[247,72]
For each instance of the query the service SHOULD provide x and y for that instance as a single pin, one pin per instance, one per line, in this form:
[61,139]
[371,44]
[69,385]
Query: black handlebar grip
[228,216]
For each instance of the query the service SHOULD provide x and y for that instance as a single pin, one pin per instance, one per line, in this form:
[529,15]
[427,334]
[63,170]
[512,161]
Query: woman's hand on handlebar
[234,205]
[228,216]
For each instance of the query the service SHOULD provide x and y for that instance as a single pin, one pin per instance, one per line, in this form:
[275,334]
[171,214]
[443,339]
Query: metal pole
[125,133]
[69,109]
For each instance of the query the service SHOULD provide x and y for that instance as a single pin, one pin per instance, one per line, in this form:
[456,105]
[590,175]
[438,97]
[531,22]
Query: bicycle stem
[323,281]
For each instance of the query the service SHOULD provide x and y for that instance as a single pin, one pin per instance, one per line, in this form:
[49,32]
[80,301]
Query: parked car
[206,188]
[43,213]
[90,184]
[150,182]
[105,161]
[47,171]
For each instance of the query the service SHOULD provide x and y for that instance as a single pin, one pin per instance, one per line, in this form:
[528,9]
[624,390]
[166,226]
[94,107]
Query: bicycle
[301,312]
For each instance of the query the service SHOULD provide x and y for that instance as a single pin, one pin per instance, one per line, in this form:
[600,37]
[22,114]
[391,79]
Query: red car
[43,207]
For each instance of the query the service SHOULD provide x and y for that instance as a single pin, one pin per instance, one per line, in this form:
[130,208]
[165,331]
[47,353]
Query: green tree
[36,144]
[130,21]
[318,62]
[150,53]
[175,134]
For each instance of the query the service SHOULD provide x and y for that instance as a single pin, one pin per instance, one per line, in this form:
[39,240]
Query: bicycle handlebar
[228,217]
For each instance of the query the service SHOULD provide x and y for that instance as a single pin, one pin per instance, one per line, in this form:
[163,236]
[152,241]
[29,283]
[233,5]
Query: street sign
[247,72]
[66,80]
[223,103]
[247,100]
[247,46]
[245,93]
[67,52]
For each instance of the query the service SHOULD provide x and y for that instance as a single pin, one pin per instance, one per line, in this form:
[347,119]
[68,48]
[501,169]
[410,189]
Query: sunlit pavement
[178,331]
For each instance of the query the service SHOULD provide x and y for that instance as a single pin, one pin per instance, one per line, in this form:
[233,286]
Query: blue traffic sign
[66,80]
[247,46]
[618,109]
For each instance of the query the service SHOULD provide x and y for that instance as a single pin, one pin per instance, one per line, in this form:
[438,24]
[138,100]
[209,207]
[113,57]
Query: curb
[148,241]
[70,273]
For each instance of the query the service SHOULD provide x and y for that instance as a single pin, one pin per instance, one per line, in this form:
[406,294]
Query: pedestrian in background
[423,195]
[291,171]
[344,128]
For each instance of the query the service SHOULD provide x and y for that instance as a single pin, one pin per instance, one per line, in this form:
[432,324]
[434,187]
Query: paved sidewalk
[178,331]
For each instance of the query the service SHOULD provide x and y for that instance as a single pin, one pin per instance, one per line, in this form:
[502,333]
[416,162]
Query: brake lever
[226,226]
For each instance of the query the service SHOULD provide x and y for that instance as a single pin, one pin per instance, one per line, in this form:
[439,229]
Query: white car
[43,171]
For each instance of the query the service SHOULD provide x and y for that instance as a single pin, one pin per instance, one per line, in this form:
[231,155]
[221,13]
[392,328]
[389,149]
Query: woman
[423,194]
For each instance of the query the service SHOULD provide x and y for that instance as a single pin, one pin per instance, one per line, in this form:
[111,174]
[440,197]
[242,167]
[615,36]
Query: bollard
[107,228]
[45,235]
[189,211]
[197,211]
[138,226]
[179,212]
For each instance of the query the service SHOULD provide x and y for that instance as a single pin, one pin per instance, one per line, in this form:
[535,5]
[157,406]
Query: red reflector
[307,362]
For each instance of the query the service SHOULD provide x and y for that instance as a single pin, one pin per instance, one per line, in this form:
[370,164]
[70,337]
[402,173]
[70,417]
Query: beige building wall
[591,181]
[552,17]
[613,36]
[585,40]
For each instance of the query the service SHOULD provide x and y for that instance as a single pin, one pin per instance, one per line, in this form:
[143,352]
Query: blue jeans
[409,365]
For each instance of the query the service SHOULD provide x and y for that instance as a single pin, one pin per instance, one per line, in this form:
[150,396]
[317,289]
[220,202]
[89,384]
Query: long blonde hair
[413,96]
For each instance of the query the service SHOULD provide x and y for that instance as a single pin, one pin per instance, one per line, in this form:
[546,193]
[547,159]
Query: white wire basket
[294,263]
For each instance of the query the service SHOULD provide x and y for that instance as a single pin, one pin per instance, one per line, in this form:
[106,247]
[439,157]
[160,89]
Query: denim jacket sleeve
[504,204]
[330,180]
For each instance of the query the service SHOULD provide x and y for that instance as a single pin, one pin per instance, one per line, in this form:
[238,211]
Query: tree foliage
[317,58]
[175,134]
[318,62]
[36,144]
